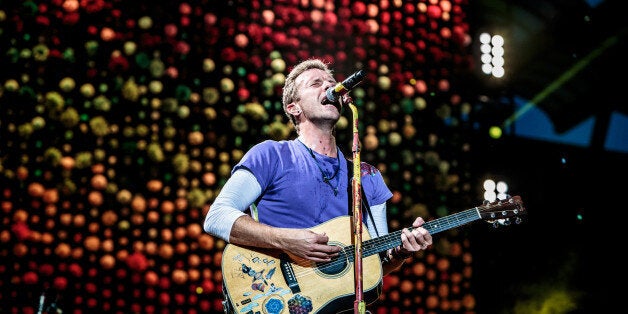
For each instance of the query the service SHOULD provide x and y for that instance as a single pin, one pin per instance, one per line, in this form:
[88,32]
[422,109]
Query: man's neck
[320,141]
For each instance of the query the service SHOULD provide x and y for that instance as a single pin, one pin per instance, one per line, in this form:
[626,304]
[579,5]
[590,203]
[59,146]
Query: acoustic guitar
[273,282]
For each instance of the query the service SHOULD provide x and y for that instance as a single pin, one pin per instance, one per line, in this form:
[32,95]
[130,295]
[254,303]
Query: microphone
[333,94]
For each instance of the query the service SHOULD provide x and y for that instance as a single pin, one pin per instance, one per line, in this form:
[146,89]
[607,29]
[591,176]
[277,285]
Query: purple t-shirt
[294,193]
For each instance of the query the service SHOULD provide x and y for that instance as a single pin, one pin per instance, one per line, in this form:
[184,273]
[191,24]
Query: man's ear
[294,109]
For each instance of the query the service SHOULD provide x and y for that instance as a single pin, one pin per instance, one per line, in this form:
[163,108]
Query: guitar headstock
[503,212]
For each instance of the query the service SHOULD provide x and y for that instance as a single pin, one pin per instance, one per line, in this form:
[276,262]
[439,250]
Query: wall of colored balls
[121,120]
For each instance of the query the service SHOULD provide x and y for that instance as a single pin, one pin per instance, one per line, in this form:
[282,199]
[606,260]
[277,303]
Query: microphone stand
[359,306]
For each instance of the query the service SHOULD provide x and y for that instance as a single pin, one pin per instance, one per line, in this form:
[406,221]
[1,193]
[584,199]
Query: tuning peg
[518,220]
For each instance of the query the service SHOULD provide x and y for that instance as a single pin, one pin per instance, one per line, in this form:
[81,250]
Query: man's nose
[328,85]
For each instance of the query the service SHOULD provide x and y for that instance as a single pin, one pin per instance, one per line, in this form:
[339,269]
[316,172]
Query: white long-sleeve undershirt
[242,189]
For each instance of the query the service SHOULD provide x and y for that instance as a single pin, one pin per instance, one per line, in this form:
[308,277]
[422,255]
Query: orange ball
[79,220]
[151,278]
[152,217]
[167,207]
[166,235]
[181,203]
[138,203]
[194,274]
[150,248]
[20,215]
[20,249]
[180,233]
[179,276]
[154,185]
[67,163]
[109,218]
[95,198]
[107,261]
[22,173]
[99,182]
[206,242]
[406,286]
[181,248]
[194,231]
[166,251]
[51,196]
[92,243]
[63,250]
[431,302]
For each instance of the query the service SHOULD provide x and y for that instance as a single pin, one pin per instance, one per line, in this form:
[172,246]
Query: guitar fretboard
[393,239]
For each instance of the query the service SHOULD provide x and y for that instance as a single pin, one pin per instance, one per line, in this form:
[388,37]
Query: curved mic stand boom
[359,306]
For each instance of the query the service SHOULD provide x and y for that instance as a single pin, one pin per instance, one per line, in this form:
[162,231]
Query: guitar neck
[393,239]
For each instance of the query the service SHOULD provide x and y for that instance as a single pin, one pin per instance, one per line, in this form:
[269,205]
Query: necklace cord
[327,179]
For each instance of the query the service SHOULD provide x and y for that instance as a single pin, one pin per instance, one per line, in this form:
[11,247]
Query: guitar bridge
[288,275]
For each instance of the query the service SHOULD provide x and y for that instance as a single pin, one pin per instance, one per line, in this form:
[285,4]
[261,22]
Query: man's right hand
[307,244]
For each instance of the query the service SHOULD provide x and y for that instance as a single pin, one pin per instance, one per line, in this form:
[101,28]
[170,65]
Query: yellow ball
[495,132]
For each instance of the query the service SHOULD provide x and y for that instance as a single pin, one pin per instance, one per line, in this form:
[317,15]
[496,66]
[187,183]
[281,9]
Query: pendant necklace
[326,178]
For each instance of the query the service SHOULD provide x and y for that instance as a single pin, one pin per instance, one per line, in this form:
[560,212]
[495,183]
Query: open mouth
[326,102]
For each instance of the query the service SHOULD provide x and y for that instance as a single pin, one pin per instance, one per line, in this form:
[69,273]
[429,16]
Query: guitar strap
[365,203]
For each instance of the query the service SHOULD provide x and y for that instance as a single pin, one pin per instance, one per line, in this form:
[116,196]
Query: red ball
[30,278]
[179,298]
[434,11]
[208,286]
[137,262]
[75,270]
[46,269]
[92,272]
[164,283]
[164,298]
[137,308]
[91,302]
[358,8]
[60,283]
[243,94]
[150,293]
[91,288]
[205,305]
[252,78]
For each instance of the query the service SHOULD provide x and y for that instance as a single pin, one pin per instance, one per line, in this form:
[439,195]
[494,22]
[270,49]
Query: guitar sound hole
[335,266]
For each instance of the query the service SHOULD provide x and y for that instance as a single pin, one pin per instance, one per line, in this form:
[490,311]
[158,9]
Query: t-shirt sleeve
[261,160]
[375,188]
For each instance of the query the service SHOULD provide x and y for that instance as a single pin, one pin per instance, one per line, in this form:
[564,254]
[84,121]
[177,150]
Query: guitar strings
[393,239]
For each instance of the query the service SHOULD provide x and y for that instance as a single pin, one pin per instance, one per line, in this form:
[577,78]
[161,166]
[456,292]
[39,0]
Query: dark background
[570,241]
[568,245]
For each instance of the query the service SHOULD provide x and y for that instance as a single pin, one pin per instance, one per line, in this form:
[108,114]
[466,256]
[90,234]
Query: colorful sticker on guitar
[274,305]
[300,304]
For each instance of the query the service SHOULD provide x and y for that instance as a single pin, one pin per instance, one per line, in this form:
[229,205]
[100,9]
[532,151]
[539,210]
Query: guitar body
[268,281]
